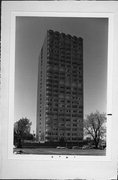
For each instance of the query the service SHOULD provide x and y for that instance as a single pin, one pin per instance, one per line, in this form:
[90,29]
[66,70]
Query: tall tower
[60,88]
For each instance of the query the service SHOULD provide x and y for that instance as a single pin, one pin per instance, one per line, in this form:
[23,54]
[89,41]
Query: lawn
[54,151]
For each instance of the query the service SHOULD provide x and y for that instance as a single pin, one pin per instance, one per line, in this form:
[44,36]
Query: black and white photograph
[60,89]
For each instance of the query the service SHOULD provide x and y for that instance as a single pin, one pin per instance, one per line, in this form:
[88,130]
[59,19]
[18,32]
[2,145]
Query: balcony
[55,69]
[49,94]
[48,125]
[49,68]
[68,129]
[55,77]
[61,120]
[48,89]
[68,120]
[49,113]
[56,64]
[68,61]
[55,90]
[55,99]
[62,61]
[56,56]
[67,93]
[67,114]
[61,111]
[61,114]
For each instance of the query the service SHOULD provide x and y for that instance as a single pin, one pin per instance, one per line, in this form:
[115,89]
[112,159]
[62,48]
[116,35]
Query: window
[68,129]
[74,129]
[74,138]
[68,120]
[74,120]
[74,125]
[74,134]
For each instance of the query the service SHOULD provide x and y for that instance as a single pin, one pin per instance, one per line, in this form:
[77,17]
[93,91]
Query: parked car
[102,145]
[18,152]
[86,147]
[60,147]
[69,147]
[76,147]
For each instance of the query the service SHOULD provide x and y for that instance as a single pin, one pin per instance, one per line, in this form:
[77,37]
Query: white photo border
[40,166]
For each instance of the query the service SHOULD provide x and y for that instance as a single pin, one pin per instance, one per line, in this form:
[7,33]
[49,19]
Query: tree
[94,126]
[62,141]
[21,130]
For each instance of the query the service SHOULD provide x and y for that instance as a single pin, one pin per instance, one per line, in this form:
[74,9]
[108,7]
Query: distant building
[60,89]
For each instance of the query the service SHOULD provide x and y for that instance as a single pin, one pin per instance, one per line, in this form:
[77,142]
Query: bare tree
[94,126]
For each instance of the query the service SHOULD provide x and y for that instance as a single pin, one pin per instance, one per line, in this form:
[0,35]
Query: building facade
[60,89]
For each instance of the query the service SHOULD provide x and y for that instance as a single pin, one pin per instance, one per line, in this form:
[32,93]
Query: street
[54,151]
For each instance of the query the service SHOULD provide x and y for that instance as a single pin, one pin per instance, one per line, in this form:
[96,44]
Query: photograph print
[60,99]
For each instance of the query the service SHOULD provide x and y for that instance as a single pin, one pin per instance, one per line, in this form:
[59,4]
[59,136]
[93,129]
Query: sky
[30,35]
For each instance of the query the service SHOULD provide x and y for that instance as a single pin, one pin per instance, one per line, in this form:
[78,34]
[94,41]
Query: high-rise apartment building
[60,88]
